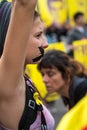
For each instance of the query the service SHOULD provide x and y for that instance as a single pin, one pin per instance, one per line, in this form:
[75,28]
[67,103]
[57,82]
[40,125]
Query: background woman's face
[36,39]
[52,79]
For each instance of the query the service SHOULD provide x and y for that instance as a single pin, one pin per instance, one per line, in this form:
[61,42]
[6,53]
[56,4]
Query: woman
[20,108]
[64,75]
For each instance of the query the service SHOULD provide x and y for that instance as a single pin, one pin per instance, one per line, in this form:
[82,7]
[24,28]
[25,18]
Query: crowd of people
[23,38]
[67,33]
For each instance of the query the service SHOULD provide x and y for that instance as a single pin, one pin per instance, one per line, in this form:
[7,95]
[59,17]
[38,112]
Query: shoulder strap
[31,108]
[39,108]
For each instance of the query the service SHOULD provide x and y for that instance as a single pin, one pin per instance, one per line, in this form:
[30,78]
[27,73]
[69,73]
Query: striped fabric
[5,10]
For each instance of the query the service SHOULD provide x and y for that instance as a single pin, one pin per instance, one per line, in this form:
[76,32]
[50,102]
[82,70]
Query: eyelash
[39,35]
[51,74]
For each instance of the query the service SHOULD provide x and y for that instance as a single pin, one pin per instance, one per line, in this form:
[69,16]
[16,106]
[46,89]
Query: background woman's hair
[36,14]
[65,64]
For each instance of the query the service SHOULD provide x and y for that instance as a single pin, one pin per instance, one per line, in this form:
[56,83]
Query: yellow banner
[52,10]
[9,0]
[36,77]
[75,6]
[76,118]
[80,52]
[58,46]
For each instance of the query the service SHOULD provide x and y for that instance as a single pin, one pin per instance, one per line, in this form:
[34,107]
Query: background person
[63,75]
[78,32]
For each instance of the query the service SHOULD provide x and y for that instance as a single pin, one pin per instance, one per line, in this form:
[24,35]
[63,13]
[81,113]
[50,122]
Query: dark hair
[36,14]
[77,15]
[64,63]
[5,12]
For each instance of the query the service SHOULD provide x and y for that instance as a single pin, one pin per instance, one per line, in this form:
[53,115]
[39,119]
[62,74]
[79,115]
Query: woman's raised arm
[16,42]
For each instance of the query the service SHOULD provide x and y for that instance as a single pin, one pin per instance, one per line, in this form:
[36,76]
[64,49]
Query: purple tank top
[37,123]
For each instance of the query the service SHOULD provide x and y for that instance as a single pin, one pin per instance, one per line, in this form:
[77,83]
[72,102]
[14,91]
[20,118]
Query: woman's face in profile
[36,39]
[53,79]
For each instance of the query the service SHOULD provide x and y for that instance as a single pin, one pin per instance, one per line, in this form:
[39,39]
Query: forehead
[52,68]
[38,23]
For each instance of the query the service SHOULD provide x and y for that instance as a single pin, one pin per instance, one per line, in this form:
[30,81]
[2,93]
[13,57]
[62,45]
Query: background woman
[64,75]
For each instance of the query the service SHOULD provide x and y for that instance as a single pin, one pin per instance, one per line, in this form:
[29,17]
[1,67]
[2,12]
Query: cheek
[34,44]
[30,53]
[31,43]
[29,50]
[58,82]
[31,46]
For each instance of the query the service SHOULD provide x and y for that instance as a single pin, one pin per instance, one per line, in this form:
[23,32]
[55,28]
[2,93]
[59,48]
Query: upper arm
[17,39]
[16,42]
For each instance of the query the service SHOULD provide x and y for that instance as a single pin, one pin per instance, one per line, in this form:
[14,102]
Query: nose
[44,43]
[45,79]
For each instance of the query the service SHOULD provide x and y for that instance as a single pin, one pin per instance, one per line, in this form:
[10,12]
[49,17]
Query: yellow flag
[52,10]
[75,6]
[57,46]
[76,118]
[36,77]
[81,49]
